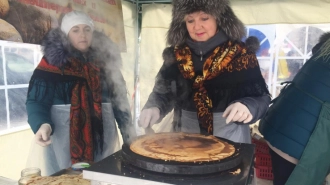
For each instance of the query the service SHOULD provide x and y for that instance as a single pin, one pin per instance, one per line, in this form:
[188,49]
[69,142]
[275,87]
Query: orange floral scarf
[226,58]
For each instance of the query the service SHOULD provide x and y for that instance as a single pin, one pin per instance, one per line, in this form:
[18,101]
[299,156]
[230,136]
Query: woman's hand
[149,117]
[237,112]
[42,136]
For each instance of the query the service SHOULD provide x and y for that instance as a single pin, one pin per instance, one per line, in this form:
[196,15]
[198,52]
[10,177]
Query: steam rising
[107,51]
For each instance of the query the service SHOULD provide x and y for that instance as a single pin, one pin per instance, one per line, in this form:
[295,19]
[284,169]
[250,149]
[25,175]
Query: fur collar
[57,49]
[252,44]
[201,48]
[324,37]
[322,49]
[322,40]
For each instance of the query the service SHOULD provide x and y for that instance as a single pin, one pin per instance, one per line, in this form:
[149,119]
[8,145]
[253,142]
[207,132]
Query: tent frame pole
[138,26]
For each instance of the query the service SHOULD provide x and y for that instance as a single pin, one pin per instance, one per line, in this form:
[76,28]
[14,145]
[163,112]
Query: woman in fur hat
[297,127]
[210,78]
[76,94]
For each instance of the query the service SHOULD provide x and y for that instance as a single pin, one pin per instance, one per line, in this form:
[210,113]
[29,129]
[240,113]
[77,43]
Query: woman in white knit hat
[77,94]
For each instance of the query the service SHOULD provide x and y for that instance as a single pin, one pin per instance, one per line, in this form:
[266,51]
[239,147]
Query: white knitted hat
[74,18]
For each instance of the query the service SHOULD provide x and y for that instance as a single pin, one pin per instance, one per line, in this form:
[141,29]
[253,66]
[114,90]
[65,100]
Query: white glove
[237,112]
[42,136]
[149,117]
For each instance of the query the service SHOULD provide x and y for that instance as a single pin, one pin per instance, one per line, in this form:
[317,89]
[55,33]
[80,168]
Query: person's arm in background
[120,105]
[161,100]
[38,103]
[107,51]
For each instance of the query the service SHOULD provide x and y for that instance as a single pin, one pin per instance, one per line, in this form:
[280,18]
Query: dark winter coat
[298,122]
[57,50]
[292,117]
[172,90]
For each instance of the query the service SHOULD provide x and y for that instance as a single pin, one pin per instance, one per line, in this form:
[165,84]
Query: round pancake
[182,147]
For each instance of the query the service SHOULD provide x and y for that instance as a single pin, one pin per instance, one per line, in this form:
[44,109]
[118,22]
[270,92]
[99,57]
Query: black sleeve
[257,106]
[162,95]
[120,105]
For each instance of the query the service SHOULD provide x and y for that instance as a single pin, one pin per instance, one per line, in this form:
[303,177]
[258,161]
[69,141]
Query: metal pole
[138,20]
[137,63]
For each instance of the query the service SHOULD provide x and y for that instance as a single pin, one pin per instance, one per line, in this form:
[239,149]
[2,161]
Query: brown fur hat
[220,9]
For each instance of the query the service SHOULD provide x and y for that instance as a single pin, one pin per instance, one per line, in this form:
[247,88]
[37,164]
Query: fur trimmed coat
[173,91]
[57,50]
[243,81]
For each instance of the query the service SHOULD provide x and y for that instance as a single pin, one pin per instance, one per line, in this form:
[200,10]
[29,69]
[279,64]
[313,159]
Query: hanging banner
[28,21]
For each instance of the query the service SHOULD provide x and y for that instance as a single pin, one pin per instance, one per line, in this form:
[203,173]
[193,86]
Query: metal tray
[183,168]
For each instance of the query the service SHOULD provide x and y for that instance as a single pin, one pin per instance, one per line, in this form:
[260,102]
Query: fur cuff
[324,37]
[168,56]
[252,44]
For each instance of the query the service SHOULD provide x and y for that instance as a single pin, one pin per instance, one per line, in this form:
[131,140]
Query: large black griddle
[115,170]
[183,168]
[227,177]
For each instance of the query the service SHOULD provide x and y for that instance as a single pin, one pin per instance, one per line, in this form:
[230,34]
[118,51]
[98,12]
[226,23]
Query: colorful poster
[28,21]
